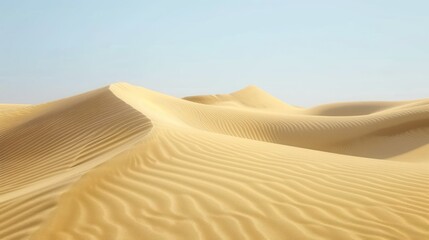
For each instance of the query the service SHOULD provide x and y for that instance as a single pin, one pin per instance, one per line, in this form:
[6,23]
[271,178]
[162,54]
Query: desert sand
[125,162]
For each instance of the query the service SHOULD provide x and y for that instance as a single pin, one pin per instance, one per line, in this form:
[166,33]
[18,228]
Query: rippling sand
[125,162]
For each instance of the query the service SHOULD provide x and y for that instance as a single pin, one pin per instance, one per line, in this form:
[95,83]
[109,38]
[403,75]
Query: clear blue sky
[304,52]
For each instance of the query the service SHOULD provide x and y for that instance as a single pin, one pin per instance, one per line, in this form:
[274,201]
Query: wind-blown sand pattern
[124,162]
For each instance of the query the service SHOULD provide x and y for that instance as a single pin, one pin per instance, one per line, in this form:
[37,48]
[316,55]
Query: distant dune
[125,162]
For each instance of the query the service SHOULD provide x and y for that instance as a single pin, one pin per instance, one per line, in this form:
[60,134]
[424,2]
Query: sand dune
[250,97]
[125,162]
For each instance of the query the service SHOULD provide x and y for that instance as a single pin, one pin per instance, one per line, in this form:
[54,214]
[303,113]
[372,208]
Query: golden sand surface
[125,162]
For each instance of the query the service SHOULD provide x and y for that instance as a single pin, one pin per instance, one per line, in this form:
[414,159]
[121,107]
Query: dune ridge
[333,134]
[125,162]
[249,97]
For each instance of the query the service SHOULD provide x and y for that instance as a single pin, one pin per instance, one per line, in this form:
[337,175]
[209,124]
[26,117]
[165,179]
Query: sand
[125,162]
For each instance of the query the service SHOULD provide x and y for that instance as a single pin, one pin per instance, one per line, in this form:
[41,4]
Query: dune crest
[249,97]
[125,162]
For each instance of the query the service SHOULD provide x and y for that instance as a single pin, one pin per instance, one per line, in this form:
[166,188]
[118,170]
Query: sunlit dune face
[125,162]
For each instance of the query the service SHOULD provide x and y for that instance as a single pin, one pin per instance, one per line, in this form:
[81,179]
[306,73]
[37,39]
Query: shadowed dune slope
[48,146]
[351,109]
[363,108]
[67,133]
[125,162]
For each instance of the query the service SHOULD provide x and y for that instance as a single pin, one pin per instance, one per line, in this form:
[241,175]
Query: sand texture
[125,162]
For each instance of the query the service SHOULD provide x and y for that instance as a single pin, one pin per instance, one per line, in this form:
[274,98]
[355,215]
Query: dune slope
[52,145]
[124,162]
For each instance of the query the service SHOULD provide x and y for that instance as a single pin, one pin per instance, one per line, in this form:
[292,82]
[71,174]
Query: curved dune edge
[50,146]
[250,97]
[351,135]
[193,185]
[124,162]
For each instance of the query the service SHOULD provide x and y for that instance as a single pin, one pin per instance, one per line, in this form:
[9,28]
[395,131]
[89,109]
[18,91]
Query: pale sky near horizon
[303,52]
